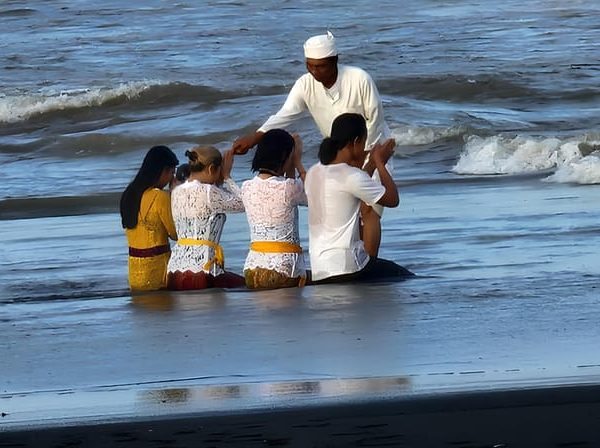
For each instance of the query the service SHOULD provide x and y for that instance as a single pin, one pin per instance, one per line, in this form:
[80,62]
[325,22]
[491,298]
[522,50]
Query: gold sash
[275,247]
[218,259]
[278,247]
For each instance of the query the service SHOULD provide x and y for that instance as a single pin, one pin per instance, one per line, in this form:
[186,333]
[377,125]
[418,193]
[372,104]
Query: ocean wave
[21,107]
[584,171]
[17,108]
[17,12]
[426,135]
[457,87]
[477,88]
[43,207]
[572,160]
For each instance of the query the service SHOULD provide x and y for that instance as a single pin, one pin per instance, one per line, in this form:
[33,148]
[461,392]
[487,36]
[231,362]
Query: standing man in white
[326,91]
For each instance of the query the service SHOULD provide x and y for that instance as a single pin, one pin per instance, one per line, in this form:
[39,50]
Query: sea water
[495,107]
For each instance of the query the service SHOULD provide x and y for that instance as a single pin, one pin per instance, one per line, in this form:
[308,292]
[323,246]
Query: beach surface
[495,109]
[321,366]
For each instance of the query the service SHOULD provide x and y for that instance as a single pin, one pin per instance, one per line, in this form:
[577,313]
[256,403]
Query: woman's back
[193,204]
[155,224]
[149,241]
[271,206]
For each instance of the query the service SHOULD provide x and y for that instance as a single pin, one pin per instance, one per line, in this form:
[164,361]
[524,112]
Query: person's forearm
[369,167]
[258,135]
[390,197]
[243,144]
[301,171]
[293,109]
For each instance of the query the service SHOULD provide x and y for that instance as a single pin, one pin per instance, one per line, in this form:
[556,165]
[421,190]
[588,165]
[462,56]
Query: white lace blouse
[272,210]
[194,206]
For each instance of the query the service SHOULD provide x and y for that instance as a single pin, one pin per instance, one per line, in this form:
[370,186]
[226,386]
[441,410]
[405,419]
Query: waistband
[149,252]
[218,259]
[275,247]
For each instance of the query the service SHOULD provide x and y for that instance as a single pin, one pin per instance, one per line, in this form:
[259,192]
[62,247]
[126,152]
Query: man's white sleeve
[292,110]
[377,128]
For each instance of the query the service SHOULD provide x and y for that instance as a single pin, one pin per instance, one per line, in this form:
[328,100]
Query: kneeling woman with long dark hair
[146,218]
[335,188]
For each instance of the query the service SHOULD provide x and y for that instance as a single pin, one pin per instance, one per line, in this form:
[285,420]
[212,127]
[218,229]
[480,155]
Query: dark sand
[543,417]
[296,368]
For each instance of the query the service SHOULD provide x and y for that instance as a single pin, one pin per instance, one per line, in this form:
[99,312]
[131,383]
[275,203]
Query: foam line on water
[573,160]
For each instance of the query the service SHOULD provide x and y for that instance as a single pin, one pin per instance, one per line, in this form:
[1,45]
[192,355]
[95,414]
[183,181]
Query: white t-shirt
[354,91]
[272,210]
[334,194]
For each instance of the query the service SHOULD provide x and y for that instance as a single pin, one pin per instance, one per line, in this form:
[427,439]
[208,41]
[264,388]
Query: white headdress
[320,47]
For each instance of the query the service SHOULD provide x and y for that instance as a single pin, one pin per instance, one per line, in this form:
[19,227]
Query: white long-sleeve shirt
[354,91]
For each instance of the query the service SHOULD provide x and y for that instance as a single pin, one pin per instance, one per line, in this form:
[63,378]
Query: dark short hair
[183,172]
[273,150]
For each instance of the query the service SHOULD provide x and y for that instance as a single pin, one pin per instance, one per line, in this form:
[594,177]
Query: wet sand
[311,367]
[545,417]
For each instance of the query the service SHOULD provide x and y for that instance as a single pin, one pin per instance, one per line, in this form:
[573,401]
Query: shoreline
[558,415]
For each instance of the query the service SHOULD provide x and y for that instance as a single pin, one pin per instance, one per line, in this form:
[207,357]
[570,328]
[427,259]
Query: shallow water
[495,110]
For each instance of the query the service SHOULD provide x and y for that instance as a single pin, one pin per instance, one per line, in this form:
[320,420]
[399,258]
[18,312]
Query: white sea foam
[501,155]
[18,108]
[498,155]
[424,135]
[580,171]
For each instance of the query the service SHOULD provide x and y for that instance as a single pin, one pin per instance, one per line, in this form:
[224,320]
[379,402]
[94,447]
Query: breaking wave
[572,161]
[16,108]
[19,108]
[426,135]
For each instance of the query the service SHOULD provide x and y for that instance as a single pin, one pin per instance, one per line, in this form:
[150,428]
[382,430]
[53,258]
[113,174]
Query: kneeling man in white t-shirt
[335,188]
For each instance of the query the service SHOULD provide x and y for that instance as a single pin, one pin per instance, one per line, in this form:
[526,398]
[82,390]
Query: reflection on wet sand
[278,299]
[231,391]
[155,301]
[177,300]
[326,388]
[178,395]
[343,295]
[330,297]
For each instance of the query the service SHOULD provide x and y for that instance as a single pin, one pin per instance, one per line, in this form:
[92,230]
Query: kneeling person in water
[146,217]
[199,206]
[335,188]
[271,201]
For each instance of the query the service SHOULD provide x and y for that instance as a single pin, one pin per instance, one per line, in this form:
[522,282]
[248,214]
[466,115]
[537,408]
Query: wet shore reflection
[326,388]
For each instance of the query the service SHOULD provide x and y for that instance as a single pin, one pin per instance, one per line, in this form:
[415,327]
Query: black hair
[345,129]
[273,150]
[183,172]
[156,160]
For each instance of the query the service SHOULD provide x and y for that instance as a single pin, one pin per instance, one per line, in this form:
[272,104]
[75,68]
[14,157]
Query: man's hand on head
[243,144]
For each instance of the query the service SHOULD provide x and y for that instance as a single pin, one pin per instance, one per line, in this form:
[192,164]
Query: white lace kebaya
[193,204]
[272,210]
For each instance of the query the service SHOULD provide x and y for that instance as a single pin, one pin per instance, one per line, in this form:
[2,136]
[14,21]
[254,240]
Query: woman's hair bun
[191,155]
